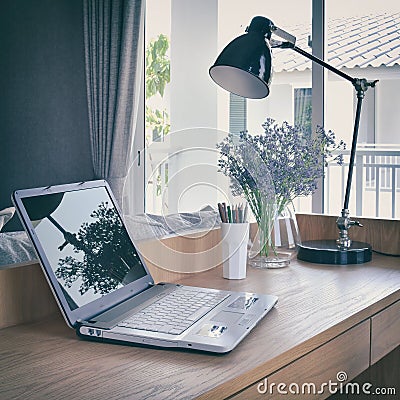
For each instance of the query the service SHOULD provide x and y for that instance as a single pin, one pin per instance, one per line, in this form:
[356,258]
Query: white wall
[278,105]
[339,109]
[388,111]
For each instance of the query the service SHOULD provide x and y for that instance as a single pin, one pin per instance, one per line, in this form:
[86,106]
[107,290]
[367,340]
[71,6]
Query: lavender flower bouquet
[272,169]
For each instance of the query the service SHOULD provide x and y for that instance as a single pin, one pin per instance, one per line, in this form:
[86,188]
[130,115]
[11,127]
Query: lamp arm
[323,63]
[360,96]
[361,85]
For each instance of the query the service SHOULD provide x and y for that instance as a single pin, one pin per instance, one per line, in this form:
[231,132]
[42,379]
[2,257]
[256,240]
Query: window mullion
[318,87]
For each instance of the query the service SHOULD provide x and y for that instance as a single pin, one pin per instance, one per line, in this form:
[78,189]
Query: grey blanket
[16,248]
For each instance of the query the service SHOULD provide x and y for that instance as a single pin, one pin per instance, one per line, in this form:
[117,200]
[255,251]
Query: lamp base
[327,252]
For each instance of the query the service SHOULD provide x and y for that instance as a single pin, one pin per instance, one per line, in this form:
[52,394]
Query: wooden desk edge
[235,385]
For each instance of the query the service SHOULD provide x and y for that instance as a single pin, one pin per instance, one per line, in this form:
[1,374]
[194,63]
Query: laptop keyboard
[175,312]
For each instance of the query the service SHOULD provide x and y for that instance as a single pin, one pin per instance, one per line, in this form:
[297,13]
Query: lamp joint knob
[356,223]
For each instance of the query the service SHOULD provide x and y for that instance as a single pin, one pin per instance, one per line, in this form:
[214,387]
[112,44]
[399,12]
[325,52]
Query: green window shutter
[237,113]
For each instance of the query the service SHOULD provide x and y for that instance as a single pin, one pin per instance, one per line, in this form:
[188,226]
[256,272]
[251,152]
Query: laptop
[105,290]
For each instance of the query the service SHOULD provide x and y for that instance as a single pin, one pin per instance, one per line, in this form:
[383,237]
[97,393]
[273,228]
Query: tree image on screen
[107,255]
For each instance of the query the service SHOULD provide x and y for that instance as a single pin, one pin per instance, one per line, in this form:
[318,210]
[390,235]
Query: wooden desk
[321,325]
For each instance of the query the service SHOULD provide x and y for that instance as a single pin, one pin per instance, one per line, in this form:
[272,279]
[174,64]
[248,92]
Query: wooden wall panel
[383,235]
[172,258]
[24,296]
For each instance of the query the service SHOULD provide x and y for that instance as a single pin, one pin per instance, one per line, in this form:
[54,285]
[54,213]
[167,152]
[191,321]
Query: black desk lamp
[244,68]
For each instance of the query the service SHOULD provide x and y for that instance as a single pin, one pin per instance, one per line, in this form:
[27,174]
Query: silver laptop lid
[85,250]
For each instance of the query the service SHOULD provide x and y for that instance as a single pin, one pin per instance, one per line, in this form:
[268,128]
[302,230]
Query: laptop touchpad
[227,317]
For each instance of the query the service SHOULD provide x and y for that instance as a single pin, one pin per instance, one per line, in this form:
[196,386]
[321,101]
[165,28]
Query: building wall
[339,109]
[191,184]
[340,104]
[278,106]
[43,111]
[387,108]
[193,51]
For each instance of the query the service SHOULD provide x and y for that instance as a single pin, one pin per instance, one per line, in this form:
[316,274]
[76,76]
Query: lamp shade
[244,66]
[40,207]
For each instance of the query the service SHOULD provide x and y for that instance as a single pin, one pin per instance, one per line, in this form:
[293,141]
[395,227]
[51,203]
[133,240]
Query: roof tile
[369,40]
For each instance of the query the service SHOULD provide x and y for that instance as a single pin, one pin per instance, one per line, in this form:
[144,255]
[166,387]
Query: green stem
[265,228]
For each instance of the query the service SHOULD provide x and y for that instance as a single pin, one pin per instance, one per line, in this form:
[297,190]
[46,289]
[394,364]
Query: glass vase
[275,243]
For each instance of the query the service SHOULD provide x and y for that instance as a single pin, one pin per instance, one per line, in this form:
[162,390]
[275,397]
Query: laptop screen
[85,242]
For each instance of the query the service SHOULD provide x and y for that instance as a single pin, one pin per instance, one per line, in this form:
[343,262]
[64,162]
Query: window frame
[318,80]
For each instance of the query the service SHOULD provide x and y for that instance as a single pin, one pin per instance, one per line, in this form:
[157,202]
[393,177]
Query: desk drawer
[385,332]
[347,353]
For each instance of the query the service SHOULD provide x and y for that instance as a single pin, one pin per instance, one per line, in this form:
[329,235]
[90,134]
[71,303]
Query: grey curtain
[112,63]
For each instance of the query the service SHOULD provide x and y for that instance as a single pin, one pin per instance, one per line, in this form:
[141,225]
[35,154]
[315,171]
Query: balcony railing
[375,187]
[376,181]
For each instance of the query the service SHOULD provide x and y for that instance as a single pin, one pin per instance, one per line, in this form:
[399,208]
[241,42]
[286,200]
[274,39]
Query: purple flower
[278,165]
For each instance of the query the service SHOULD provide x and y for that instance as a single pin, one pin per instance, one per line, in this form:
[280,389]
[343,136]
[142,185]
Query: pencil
[240,211]
[221,212]
[225,212]
[246,209]
[229,214]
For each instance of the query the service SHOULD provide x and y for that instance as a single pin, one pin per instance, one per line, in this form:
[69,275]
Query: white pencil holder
[234,239]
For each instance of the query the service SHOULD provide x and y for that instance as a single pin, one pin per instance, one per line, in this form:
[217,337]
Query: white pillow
[6,215]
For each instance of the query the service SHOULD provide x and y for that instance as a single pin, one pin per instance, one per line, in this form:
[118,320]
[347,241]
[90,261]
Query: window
[194,111]
[190,111]
[303,109]
[364,41]
[237,113]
